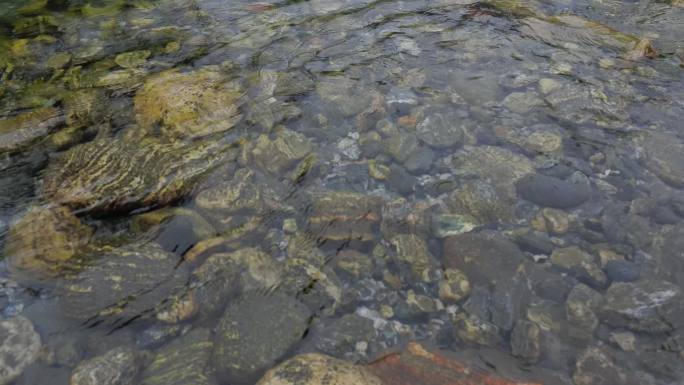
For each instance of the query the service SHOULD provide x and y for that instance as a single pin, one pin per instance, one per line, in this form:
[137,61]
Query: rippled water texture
[437,192]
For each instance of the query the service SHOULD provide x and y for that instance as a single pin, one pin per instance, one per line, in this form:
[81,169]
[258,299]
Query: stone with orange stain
[259,7]
[418,365]
[408,121]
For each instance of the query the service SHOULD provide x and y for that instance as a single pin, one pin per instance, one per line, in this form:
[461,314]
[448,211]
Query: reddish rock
[417,365]
[259,7]
[408,121]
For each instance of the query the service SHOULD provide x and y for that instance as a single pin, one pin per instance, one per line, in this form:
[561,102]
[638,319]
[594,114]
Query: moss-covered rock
[184,361]
[108,175]
[318,369]
[119,366]
[44,241]
[188,105]
[132,59]
[21,130]
[123,284]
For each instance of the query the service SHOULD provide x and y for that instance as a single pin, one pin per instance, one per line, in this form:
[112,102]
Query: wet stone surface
[341,192]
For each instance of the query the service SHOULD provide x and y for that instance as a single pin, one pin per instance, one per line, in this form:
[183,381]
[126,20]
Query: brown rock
[317,369]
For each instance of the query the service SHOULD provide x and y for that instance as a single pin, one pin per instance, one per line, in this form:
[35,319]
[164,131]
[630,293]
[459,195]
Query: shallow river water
[440,192]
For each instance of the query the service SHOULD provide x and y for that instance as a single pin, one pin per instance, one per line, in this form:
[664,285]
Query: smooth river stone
[549,191]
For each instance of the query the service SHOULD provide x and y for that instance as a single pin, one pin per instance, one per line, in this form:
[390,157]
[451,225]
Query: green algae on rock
[184,361]
[122,284]
[318,369]
[44,241]
[243,193]
[21,130]
[107,175]
[188,105]
[119,366]
[132,59]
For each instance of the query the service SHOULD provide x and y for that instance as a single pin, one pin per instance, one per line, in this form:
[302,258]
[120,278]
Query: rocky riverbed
[341,192]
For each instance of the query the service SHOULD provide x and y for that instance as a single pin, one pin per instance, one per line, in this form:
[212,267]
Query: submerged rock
[525,341]
[412,252]
[108,175]
[441,130]
[183,361]
[483,201]
[483,257]
[471,329]
[552,221]
[132,59]
[345,215]
[580,264]
[549,191]
[19,347]
[119,366]
[348,337]
[19,131]
[254,332]
[502,167]
[537,139]
[595,367]
[278,154]
[310,281]
[188,105]
[580,311]
[417,364]
[44,241]
[123,284]
[652,306]
[224,275]
[244,193]
[318,369]
[664,156]
[454,286]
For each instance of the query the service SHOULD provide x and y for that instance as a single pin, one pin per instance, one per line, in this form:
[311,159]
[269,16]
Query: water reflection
[209,192]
